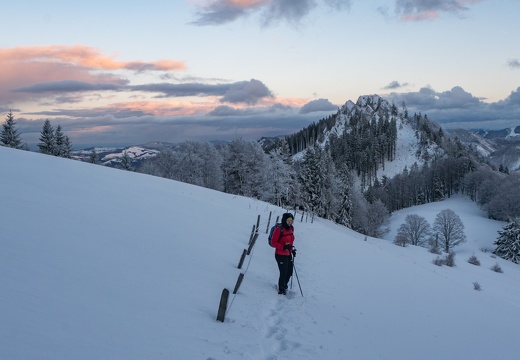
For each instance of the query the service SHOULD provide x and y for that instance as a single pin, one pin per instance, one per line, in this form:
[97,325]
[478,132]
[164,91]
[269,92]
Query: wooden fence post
[252,244]
[221,315]
[251,236]
[268,223]
[239,281]
[241,262]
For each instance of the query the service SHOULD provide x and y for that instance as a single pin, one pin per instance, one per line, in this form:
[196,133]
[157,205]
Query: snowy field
[98,263]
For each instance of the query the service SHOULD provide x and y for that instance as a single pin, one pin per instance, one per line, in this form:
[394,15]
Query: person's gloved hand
[294,252]
[287,247]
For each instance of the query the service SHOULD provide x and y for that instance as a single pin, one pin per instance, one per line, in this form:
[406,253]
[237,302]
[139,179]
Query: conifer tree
[508,242]
[67,148]
[59,139]
[63,146]
[47,143]
[9,135]
[310,180]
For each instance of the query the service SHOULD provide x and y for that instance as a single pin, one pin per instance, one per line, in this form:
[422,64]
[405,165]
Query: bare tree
[415,230]
[449,229]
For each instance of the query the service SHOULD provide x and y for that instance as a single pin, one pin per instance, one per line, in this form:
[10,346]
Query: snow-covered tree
[126,162]
[245,167]
[63,147]
[449,229]
[508,242]
[368,218]
[93,157]
[344,197]
[47,143]
[281,178]
[310,180]
[211,167]
[9,134]
[415,230]
[162,165]
[377,219]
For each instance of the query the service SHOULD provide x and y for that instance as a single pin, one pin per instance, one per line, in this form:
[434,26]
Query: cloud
[53,69]
[247,92]
[83,56]
[394,85]
[318,105]
[129,124]
[514,64]
[428,98]
[276,108]
[218,12]
[512,100]
[418,10]
[457,108]
[67,86]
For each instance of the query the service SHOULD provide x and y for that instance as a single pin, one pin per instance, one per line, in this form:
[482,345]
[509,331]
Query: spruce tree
[67,148]
[9,135]
[47,143]
[59,139]
[310,180]
[62,145]
[508,242]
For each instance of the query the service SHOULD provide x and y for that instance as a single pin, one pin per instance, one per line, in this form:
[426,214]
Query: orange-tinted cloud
[25,67]
[162,108]
[82,56]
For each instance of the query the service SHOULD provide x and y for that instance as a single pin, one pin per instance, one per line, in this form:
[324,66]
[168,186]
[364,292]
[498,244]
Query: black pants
[285,265]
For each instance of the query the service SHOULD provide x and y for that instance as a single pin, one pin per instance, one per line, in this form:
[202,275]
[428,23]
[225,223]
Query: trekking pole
[297,279]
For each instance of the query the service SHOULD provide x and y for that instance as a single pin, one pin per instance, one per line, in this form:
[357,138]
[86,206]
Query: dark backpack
[270,237]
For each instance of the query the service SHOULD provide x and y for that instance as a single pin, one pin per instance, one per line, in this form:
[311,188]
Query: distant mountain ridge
[500,147]
[508,133]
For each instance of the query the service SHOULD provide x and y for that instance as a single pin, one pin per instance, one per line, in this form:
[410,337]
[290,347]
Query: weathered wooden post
[221,315]
[252,244]
[239,281]
[252,234]
[241,262]
[268,223]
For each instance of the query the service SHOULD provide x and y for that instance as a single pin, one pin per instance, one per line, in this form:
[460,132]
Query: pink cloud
[25,66]
[82,56]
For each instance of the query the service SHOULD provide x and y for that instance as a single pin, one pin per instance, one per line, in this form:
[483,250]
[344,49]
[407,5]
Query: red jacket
[280,241]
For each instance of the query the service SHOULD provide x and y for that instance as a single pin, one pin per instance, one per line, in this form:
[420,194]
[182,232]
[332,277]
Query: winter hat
[285,217]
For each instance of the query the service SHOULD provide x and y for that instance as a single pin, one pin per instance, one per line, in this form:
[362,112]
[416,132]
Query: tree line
[52,140]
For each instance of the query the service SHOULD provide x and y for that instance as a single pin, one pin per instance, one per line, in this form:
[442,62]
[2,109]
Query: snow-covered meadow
[98,263]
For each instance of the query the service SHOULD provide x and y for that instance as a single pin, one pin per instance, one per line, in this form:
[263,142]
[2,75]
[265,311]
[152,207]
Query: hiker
[283,237]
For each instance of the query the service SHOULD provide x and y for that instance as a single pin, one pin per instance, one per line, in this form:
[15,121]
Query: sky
[105,275]
[119,72]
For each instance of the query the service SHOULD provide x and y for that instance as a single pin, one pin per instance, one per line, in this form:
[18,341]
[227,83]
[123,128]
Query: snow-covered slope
[98,263]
